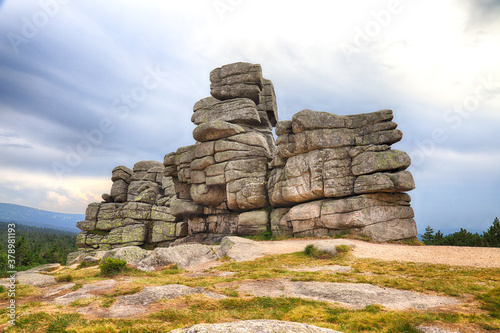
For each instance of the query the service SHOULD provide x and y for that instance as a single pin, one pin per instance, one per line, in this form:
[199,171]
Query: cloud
[50,193]
[482,13]
[74,92]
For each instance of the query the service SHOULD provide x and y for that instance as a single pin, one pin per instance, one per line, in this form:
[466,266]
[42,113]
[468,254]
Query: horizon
[122,91]
[446,231]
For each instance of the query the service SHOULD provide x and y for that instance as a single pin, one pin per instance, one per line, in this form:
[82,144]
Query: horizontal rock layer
[321,155]
[325,174]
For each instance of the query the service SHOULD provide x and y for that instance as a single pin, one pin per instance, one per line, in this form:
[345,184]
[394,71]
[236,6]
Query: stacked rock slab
[136,212]
[325,175]
[221,180]
[341,176]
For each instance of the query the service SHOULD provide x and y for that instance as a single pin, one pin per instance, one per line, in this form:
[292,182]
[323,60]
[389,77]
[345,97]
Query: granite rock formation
[325,175]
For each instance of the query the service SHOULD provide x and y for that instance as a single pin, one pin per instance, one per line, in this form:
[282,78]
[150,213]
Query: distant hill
[39,218]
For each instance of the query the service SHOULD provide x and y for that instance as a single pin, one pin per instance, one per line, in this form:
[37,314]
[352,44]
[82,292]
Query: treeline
[489,238]
[35,246]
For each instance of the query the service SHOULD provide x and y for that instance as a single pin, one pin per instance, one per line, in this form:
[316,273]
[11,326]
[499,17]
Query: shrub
[2,289]
[267,235]
[112,266]
[310,250]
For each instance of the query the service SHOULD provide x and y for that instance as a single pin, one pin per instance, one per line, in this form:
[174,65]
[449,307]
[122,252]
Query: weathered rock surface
[132,305]
[35,279]
[85,292]
[240,79]
[240,249]
[84,255]
[43,268]
[185,256]
[237,180]
[353,295]
[131,254]
[238,111]
[322,155]
[255,326]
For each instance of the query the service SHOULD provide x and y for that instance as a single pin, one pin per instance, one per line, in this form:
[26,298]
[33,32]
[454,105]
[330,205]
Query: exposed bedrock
[324,175]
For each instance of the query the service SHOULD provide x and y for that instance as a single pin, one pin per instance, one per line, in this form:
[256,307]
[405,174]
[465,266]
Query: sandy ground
[448,255]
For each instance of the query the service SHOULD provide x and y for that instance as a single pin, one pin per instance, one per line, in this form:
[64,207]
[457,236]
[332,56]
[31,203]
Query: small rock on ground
[254,326]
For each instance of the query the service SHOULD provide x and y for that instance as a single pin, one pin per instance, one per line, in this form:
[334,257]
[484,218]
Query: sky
[89,85]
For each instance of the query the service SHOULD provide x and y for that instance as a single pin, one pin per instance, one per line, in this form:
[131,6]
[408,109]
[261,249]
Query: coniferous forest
[489,238]
[35,246]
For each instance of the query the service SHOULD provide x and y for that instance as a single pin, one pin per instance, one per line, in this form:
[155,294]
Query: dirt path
[448,255]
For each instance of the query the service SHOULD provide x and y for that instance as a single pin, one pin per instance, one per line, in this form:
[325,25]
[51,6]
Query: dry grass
[477,288]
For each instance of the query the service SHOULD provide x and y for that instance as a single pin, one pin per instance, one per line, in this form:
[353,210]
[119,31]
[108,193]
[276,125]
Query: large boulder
[131,254]
[185,256]
[238,111]
[370,162]
[380,217]
[214,130]
[237,80]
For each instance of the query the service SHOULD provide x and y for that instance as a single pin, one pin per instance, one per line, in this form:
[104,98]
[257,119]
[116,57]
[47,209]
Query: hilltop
[39,218]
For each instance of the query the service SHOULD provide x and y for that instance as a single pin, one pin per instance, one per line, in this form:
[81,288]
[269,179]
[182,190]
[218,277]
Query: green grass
[112,266]
[491,302]
[479,288]
[64,278]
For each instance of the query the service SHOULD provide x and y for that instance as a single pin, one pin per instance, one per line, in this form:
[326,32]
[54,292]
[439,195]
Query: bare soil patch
[483,257]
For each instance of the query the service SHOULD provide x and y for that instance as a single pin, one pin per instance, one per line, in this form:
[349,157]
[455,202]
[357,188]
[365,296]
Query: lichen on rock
[326,174]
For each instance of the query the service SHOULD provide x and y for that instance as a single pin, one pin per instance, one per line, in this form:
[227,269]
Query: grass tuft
[312,251]
[112,266]
[64,278]
[343,248]
[490,301]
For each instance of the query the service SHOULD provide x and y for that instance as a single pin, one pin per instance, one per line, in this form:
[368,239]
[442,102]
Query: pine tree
[428,236]
[22,252]
[492,235]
